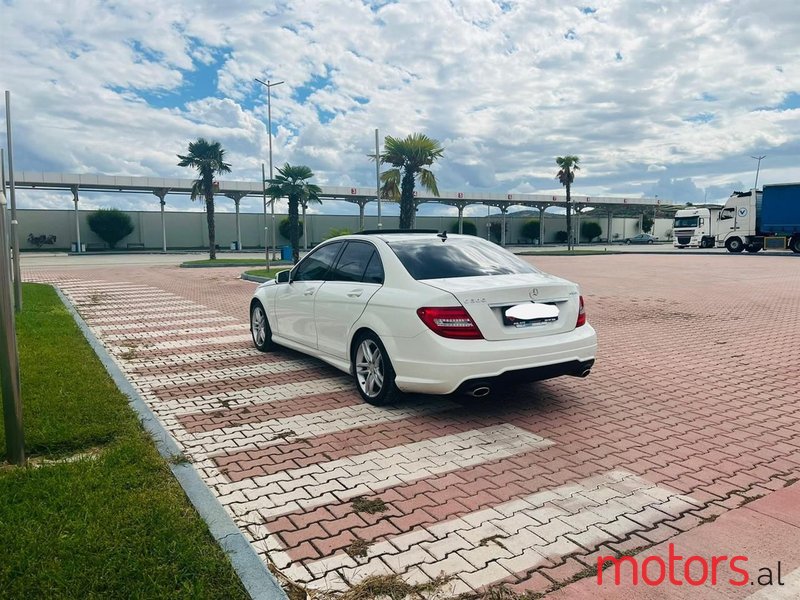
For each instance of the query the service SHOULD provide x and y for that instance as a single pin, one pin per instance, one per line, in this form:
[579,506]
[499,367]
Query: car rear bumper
[432,364]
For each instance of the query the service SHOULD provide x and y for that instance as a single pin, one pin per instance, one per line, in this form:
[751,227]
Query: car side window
[352,262]
[374,271]
[316,265]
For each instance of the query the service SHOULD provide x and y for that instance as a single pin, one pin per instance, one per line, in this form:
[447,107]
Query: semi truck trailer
[695,227]
[749,217]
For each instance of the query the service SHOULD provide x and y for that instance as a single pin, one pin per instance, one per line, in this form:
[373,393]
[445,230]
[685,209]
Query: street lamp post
[758,168]
[269,85]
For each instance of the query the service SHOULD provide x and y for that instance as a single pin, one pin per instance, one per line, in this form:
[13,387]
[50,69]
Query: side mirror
[283,276]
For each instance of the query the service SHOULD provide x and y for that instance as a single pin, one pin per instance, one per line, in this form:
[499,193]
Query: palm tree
[409,157]
[566,175]
[207,158]
[291,182]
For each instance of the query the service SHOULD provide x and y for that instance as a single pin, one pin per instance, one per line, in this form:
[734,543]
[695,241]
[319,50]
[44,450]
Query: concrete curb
[256,278]
[254,574]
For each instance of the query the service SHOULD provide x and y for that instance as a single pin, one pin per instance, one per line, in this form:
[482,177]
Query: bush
[647,223]
[590,230]
[332,233]
[110,225]
[530,230]
[283,228]
[561,237]
[468,227]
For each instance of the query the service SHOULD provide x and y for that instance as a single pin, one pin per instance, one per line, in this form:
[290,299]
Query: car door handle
[354,293]
[309,292]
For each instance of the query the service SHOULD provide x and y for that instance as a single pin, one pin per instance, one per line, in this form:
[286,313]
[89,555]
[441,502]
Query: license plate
[530,314]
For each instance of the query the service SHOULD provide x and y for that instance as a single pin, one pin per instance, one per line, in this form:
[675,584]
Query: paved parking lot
[691,411]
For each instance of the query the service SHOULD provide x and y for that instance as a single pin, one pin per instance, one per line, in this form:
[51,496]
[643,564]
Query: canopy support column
[74,190]
[161,194]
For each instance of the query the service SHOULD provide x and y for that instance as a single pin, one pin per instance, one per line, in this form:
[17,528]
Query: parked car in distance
[642,238]
[425,312]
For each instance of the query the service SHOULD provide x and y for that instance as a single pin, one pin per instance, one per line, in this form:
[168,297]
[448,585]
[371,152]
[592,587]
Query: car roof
[398,235]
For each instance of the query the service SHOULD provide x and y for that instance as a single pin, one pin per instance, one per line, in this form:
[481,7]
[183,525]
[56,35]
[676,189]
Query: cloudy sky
[656,97]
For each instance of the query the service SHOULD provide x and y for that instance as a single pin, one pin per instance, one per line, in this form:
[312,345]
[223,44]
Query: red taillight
[450,322]
[581,314]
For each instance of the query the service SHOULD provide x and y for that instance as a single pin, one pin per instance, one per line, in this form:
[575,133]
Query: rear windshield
[425,259]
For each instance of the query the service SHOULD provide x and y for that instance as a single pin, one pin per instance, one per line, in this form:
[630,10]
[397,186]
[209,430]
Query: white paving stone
[320,423]
[474,447]
[478,548]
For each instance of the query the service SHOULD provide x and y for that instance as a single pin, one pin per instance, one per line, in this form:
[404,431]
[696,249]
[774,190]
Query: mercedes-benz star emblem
[533,293]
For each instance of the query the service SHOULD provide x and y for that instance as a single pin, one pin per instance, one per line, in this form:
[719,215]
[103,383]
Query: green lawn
[112,524]
[221,262]
[267,273]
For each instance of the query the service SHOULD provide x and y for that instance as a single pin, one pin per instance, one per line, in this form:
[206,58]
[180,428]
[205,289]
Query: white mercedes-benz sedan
[417,311]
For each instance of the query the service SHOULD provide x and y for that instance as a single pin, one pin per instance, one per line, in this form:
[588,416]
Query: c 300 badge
[533,293]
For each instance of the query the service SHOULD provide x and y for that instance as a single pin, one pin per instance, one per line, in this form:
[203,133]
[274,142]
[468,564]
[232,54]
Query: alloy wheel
[369,369]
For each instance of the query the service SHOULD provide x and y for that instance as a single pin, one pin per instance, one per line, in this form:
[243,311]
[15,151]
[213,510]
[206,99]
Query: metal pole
[305,229]
[9,359]
[236,201]
[13,198]
[269,85]
[755,186]
[541,225]
[74,189]
[378,177]
[271,176]
[163,227]
[266,229]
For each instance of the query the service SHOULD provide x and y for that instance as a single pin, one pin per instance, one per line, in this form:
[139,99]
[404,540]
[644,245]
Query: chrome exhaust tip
[480,391]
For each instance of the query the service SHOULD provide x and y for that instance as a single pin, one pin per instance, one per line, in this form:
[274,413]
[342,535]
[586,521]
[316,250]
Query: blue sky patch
[317,82]
[700,118]
[199,83]
[792,100]
[588,10]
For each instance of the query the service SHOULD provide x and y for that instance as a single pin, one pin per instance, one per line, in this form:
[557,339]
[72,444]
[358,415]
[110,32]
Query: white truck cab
[737,228]
[694,227]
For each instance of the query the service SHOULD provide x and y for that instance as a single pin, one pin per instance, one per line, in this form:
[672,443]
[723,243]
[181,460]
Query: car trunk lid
[488,299]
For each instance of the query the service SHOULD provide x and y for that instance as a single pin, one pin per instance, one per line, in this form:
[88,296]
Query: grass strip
[114,523]
[225,262]
[268,273]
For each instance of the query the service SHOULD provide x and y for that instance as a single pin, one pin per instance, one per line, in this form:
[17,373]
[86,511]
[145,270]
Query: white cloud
[680,91]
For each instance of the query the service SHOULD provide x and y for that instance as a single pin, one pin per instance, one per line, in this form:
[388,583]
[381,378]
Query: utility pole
[264,192]
[758,167]
[378,177]
[269,85]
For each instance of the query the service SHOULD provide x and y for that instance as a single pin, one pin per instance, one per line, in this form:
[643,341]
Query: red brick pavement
[694,391]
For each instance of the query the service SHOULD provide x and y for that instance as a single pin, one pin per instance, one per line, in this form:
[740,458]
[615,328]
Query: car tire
[754,248]
[734,245]
[794,244]
[373,370]
[627,242]
[260,330]
[649,241]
